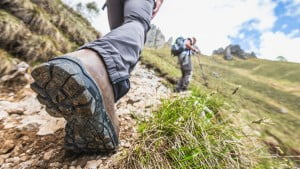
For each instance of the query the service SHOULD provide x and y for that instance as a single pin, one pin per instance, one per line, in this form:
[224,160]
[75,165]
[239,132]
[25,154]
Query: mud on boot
[67,90]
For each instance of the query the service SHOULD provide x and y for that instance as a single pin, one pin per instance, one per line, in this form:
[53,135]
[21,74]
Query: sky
[270,28]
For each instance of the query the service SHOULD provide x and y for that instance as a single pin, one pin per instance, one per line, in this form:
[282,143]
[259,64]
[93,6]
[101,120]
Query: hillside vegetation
[267,93]
[193,131]
[36,30]
[206,128]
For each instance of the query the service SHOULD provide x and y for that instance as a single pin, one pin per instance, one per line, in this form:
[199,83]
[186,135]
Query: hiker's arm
[189,46]
[158,4]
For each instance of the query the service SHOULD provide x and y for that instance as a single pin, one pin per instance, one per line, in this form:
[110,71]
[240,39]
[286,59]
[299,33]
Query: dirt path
[32,139]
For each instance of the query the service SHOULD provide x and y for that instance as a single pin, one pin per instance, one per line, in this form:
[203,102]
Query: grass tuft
[267,90]
[188,133]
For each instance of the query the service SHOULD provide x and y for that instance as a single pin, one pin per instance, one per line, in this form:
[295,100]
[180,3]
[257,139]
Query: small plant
[269,90]
[187,133]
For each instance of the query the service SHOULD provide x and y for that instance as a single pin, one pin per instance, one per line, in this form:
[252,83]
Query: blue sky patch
[287,22]
[288,15]
[248,37]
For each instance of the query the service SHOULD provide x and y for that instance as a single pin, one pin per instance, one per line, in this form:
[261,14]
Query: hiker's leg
[95,65]
[120,48]
[180,82]
[115,13]
[186,79]
[65,89]
[116,45]
[98,69]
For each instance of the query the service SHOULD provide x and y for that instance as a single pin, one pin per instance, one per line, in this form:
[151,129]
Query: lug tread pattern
[61,89]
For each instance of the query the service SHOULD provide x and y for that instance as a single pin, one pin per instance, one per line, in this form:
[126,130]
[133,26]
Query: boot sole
[68,91]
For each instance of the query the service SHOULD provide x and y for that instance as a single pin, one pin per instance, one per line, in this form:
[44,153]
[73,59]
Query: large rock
[233,50]
[7,146]
[155,38]
[14,75]
[228,53]
[16,78]
[219,51]
[170,41]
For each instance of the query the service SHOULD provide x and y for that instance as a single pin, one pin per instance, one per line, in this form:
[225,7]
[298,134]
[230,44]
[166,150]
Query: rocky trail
[30,138]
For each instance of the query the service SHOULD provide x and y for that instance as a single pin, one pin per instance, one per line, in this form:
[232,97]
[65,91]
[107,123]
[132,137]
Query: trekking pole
[202,72]
[104,6]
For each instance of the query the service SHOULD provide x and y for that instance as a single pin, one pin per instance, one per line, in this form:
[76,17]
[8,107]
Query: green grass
[6,61]
[62,29]
[166,66]
[279,71]
[284,98]
[192,132]
[258,99]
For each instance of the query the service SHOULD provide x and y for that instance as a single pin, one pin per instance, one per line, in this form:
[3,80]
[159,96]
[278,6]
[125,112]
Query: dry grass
[72,24]
[36,30]
[192,133]
[6,62]
[18,40]
[256,99]
[37,21]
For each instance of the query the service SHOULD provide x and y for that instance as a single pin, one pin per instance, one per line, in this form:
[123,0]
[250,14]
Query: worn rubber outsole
[66,89]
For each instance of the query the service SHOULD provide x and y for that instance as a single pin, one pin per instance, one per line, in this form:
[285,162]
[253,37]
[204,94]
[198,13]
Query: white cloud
[294,33]
[253,48]
[212,22]
[241,35]
[279,44]
[284,26]
[293,8]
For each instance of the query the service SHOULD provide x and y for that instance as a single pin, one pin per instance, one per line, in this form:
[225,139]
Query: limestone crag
[170,41]
[155,38]
[233,50]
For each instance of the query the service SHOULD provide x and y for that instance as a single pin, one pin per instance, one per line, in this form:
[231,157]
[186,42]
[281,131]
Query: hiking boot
[68,89]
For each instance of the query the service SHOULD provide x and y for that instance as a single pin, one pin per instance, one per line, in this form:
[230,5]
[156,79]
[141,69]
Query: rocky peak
[170,41]
[233,50]
[155,38]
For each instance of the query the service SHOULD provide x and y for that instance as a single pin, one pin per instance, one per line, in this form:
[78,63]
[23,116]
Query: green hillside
[36,30]
[208,128]
[267,97]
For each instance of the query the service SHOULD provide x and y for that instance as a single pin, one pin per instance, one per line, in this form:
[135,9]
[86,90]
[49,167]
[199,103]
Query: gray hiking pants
[184,80]
[120,49]
[186,70]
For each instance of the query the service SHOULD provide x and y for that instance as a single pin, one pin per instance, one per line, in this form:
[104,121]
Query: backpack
[178,46]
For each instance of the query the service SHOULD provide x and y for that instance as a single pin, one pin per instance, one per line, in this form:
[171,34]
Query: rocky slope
[32,139]
[36,30]
[32,31]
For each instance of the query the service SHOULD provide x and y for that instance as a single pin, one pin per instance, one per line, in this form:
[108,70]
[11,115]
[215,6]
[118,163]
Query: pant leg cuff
[120,84]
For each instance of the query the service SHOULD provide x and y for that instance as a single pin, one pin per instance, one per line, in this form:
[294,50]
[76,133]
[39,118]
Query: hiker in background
[83,86]
[184,49]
